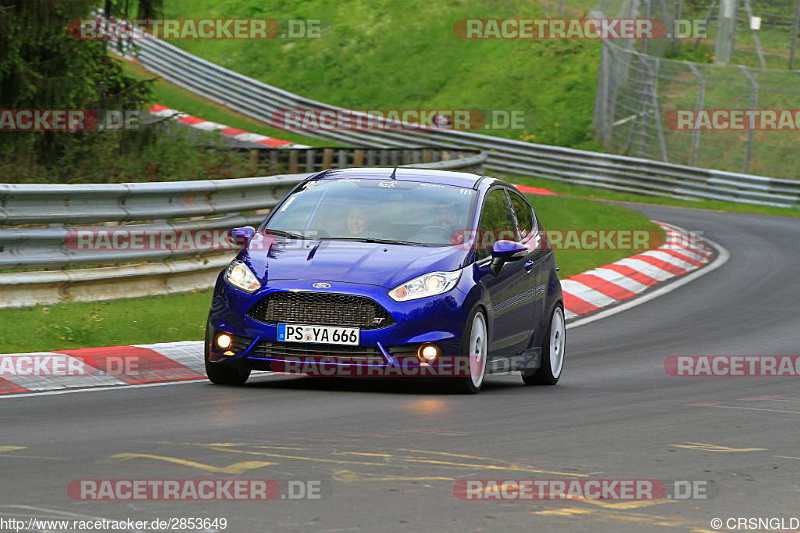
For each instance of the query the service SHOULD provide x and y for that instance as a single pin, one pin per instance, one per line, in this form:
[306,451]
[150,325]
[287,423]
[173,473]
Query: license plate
[318,334]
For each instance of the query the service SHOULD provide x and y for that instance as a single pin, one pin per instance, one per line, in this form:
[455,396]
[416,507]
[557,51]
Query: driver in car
[356,221]
[447,218]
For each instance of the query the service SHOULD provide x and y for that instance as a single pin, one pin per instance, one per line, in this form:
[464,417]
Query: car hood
[386,265]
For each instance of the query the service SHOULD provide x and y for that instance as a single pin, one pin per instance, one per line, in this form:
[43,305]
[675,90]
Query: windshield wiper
[373,241]
[283,233]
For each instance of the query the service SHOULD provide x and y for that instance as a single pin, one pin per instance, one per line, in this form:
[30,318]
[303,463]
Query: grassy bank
[383,54]
[182,316]
[591,193]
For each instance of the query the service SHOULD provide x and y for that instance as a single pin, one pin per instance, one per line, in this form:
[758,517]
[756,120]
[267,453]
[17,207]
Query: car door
[510,307]
[536,263]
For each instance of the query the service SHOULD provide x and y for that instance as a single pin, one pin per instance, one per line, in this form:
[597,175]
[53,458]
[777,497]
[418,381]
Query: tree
[43,67]
[145,9]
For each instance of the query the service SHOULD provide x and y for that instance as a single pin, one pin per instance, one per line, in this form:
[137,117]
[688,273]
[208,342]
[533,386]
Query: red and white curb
[206,125]
[604,288]
[622,280]
[101,367]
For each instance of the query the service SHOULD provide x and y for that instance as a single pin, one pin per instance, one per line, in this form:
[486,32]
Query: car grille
[267,349]
[283,349]
[240,344]
[321,309]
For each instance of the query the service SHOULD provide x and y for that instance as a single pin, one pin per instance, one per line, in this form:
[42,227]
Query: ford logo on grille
[322,285]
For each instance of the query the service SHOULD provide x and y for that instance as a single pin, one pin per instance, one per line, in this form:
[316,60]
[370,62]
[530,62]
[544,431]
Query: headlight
[241,277]
[427,285]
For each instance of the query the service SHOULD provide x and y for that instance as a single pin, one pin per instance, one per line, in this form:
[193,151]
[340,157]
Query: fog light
[428,353]
[224,341]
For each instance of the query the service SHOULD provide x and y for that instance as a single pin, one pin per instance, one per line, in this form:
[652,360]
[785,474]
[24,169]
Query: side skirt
[528,361]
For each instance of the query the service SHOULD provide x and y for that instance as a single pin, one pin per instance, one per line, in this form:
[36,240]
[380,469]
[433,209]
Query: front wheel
[222,373]
[553,351]
[475,345]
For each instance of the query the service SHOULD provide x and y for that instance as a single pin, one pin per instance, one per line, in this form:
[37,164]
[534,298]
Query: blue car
[391,272]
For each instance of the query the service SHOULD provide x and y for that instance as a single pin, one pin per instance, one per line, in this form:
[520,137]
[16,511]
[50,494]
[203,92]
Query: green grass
[174,97]
[564,213]
[381,54]
[384,54]
[578,191]
[80,325]
[182,316]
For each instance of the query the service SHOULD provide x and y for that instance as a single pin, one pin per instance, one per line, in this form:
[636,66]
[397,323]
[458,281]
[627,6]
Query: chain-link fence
[637,90]
[763,35]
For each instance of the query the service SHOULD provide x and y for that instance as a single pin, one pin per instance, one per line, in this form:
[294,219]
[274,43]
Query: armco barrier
[35,221]
[620,173]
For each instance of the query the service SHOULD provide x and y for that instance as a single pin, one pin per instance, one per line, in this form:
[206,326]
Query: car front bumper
[437,320]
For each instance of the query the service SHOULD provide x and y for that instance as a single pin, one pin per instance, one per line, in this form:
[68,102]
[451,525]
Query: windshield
[370,210]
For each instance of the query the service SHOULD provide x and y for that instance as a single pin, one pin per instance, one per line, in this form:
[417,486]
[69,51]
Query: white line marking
[122,387]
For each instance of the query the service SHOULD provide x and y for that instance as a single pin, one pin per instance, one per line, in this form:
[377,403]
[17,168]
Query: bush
[114,157]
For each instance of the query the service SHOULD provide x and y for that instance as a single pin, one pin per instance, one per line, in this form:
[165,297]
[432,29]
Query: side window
[523,213]
[496,223]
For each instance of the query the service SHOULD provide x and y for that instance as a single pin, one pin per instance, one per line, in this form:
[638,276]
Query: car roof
[440,177]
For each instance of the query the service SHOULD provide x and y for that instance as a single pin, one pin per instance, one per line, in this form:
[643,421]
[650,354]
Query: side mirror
[241,235]
[504,251]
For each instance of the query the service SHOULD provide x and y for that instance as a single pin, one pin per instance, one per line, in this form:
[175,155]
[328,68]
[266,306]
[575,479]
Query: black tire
[223,373]
[465,385]
[544,374]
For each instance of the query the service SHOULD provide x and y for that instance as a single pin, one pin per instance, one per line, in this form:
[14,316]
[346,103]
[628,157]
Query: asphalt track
[389,452]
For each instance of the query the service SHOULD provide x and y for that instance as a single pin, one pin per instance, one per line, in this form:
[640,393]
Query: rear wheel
[475,345]
[553,351]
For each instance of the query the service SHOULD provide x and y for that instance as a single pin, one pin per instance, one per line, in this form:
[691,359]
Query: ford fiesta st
[369,271]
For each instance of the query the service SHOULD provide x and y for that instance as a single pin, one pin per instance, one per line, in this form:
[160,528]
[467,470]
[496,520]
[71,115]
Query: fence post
[327,158]
[674,28]
[727,30]
[657,110]
[647,16]
[701,96]
[601,118]
[795,24]
[750,131]
[311,159]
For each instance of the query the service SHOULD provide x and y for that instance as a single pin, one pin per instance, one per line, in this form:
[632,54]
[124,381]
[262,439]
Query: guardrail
[315,159]
[620,173]
[36,222]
